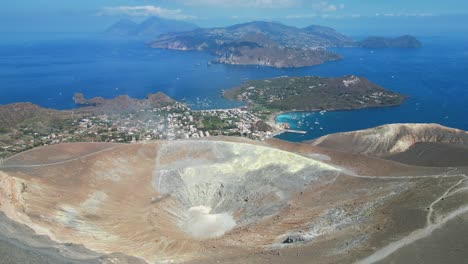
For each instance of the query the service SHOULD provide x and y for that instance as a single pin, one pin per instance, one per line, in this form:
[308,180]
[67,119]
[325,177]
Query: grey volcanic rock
[186,191]
[406,41]
[433,154]
[224,200]
[19,244]
[416,142]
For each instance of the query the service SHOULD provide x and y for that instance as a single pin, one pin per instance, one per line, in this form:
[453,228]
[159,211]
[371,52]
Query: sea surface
[49,71]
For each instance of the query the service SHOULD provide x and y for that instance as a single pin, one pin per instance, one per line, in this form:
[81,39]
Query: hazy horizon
[424,18]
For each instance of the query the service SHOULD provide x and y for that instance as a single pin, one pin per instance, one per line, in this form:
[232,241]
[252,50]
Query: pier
[295,131]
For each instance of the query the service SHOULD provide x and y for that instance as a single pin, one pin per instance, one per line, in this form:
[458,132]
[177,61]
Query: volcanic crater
[224,200]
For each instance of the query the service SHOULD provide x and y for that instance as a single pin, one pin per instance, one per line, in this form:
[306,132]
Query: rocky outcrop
[261,126]
[122,103]
[387,140]
[80,99]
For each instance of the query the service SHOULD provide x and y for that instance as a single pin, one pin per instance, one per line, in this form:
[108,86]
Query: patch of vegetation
[313,93]
[214,123]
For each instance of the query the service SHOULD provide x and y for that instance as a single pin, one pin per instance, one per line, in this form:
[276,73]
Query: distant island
[272,44]
[148,29]
[406,41]
[251,53]
[313,94]
[260,43]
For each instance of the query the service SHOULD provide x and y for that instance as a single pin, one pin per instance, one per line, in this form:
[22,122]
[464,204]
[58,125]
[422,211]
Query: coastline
[268,98]
[272,117]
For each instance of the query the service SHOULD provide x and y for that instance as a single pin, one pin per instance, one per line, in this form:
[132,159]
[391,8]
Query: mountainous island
[313,93]
[404,42]
[272,44]
[148,29]
[260,43]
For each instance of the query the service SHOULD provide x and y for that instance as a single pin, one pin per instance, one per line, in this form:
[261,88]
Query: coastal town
[172,122]
[158,117]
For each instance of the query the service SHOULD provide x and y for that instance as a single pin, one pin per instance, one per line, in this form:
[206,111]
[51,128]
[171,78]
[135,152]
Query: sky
[350,16]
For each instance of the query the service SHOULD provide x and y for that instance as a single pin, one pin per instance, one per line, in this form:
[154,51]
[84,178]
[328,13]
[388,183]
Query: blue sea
[49,72]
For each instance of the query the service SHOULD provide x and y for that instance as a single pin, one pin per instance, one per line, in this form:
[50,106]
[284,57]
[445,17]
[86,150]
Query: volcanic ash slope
[223,200]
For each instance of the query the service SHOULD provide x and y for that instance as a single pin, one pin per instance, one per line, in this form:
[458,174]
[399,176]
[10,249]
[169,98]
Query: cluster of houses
[166,123]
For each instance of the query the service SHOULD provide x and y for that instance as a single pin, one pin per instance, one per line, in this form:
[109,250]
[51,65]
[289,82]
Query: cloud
[325,6]
[315,5]
[356,16]
[301,16]
[147,10]
[242,3]
[404,15]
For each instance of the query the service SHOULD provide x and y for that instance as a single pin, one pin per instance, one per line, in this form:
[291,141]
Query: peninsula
[313,93]
[403,42]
